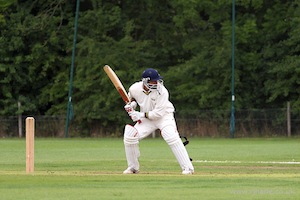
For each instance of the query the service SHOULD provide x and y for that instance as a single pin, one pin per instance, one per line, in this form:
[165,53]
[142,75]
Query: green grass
[92,169]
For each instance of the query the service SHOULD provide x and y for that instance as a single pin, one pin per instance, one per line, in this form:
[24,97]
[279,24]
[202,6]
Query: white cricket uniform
[160,110]
[160,115]
[156,103]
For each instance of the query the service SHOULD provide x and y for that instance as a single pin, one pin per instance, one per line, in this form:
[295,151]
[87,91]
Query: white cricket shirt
[156,104]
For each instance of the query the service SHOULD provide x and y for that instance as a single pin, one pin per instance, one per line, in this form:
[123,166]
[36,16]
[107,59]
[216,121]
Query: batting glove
[136,116]
[130,107]
[133,104]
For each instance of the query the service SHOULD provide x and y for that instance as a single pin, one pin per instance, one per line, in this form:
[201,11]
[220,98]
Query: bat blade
[117,83]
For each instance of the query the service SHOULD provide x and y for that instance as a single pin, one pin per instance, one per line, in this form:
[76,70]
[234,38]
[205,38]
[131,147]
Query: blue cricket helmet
[151,74]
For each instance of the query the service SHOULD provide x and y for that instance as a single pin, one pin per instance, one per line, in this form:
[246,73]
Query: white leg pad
[131,143]
[172,138]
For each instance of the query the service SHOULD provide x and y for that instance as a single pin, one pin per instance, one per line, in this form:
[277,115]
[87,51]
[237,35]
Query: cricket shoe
[187,171]
[130,170]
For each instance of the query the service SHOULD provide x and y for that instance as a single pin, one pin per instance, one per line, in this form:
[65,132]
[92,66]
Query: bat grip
[127,102]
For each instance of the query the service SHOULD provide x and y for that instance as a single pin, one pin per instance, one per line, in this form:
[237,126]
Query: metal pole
[232,118]
[20,120]
[288,114]
[70,107]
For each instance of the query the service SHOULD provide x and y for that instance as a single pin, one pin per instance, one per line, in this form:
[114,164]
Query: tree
[281,54]
[203,78]
[189,42]
[33,53]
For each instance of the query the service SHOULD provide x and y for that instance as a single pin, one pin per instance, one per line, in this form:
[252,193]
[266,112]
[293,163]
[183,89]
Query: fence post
[288,113]
[20,121]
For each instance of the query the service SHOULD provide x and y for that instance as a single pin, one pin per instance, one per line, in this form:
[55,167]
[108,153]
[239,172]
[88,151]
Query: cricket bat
[117,83]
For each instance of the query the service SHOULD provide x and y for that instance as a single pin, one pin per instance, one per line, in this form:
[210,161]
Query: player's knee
[170,135]
[130,135]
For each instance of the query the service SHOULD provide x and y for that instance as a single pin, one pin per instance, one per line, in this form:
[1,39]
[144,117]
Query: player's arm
[161,107]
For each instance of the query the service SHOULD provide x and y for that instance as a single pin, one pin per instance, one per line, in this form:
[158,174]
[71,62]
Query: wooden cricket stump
[30,145]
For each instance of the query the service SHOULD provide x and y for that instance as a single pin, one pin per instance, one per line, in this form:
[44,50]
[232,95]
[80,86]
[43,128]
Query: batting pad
[172,138]
[131,145]
[131,135]
[181,155]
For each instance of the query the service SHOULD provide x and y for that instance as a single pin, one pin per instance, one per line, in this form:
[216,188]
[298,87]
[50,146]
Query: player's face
[150,85]
[152,82]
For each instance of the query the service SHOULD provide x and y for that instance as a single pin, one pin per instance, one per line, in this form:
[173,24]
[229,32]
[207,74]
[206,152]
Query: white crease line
[250,162]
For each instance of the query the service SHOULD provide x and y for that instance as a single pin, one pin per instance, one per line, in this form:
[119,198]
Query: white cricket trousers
[169,132]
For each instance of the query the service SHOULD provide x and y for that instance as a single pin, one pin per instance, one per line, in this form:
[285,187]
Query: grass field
[264,168]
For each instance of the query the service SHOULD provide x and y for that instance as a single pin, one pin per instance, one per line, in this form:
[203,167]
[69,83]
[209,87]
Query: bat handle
[127,102]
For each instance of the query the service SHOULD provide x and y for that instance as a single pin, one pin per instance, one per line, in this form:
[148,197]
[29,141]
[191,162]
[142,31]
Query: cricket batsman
[156,112]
